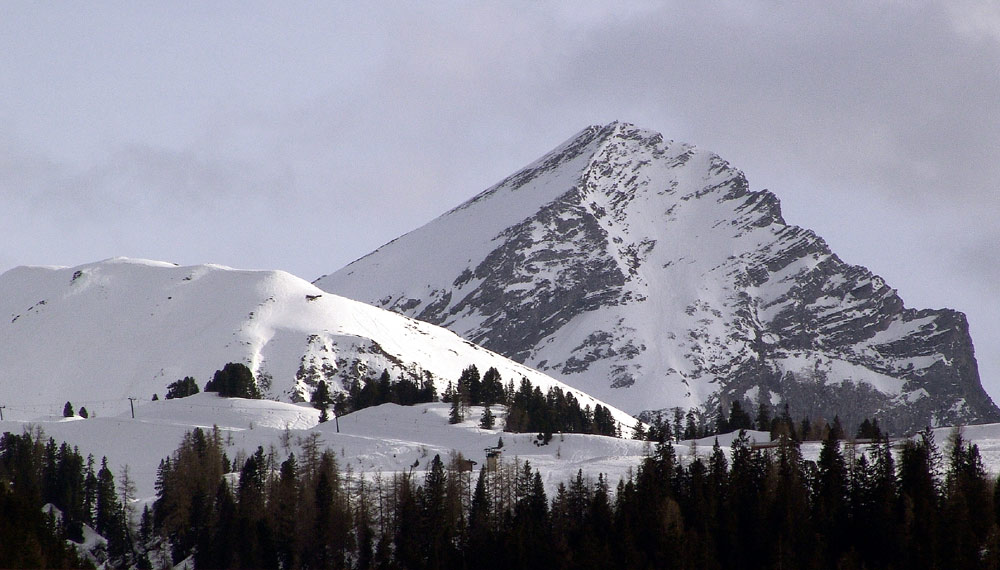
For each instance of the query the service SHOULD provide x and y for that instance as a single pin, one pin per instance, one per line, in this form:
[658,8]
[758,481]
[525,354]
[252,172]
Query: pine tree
[966,501]
[285,513]
[805,430]
[691,426]
[738,418]
[479,530]
[678,424]
[470,386]
[831,496]
[110,517]
[837,430]
[487,421]
[321,400]
[721,422]
[384,388]
[235,380]
[84,413]
[763,419]
[492,391]
[918,490]
[182,388]
[68,410]
[363,529]
[439,522]
[455,416]
[409,545]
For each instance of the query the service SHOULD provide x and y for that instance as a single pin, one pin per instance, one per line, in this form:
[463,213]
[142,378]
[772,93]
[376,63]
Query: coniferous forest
[855,507]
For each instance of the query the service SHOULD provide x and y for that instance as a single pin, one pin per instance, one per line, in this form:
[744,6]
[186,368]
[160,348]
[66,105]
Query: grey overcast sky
[300,137]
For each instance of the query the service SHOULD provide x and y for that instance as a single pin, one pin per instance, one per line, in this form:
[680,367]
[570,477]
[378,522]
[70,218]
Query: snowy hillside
[645,272]
[386,438]
[383,439]
[98,334]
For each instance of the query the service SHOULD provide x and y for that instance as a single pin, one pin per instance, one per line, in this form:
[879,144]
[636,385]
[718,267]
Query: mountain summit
[646,273]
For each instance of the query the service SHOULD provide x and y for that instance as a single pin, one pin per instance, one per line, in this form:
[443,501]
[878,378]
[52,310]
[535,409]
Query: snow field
[101,333]
[384,440]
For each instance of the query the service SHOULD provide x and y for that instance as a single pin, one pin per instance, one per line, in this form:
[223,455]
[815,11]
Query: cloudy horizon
[302,137]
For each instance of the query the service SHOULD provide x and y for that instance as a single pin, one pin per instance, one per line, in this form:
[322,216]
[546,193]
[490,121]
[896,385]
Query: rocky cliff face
[647,273]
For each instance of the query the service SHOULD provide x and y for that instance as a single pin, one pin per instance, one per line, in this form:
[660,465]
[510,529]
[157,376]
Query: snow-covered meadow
[383,439]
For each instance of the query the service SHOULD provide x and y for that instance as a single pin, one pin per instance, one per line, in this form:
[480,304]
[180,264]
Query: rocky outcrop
[647,273]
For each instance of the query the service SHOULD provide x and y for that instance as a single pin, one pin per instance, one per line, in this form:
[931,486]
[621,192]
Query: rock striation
[647,273]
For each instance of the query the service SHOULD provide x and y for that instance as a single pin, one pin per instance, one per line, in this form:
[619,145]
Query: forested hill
[745,507]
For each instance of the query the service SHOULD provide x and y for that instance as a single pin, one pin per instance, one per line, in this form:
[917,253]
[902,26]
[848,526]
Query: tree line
[854,507]
[36,472]
[528,408]
[682,425]
[369,392]
[753,508]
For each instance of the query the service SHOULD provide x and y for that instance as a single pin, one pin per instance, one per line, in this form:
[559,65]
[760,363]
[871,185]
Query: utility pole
[131,406]
[1,412]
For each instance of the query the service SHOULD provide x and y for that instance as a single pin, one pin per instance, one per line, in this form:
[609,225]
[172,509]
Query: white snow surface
[661,204]
[711,274]
[101,333]
[384,439]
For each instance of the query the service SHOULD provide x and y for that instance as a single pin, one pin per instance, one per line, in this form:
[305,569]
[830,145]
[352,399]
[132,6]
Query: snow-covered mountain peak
[646,271]
[99,333]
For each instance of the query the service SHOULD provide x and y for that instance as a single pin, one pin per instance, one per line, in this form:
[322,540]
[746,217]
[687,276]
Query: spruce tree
[284,512]
[738,418]
[109,519]
[479,530]
[487,421]
[721,422]
[455,416]
[235,380]
[182,388]
[763,419]
[918,490]
[68,410]
[491,391]
[470,385]
[321,400]
[691,426]
[831,496]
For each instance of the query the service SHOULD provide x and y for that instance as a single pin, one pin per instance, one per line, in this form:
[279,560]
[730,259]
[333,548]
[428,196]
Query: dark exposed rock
[648,273]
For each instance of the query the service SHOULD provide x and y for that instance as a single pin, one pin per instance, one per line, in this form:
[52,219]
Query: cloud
[979,19]
[309,135]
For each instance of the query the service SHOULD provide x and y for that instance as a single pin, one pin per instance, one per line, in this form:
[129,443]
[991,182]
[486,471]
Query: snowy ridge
[98,334]
[647,273]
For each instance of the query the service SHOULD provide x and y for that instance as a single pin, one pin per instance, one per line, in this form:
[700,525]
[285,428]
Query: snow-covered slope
[646,272]
[383,439]
[98,334]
